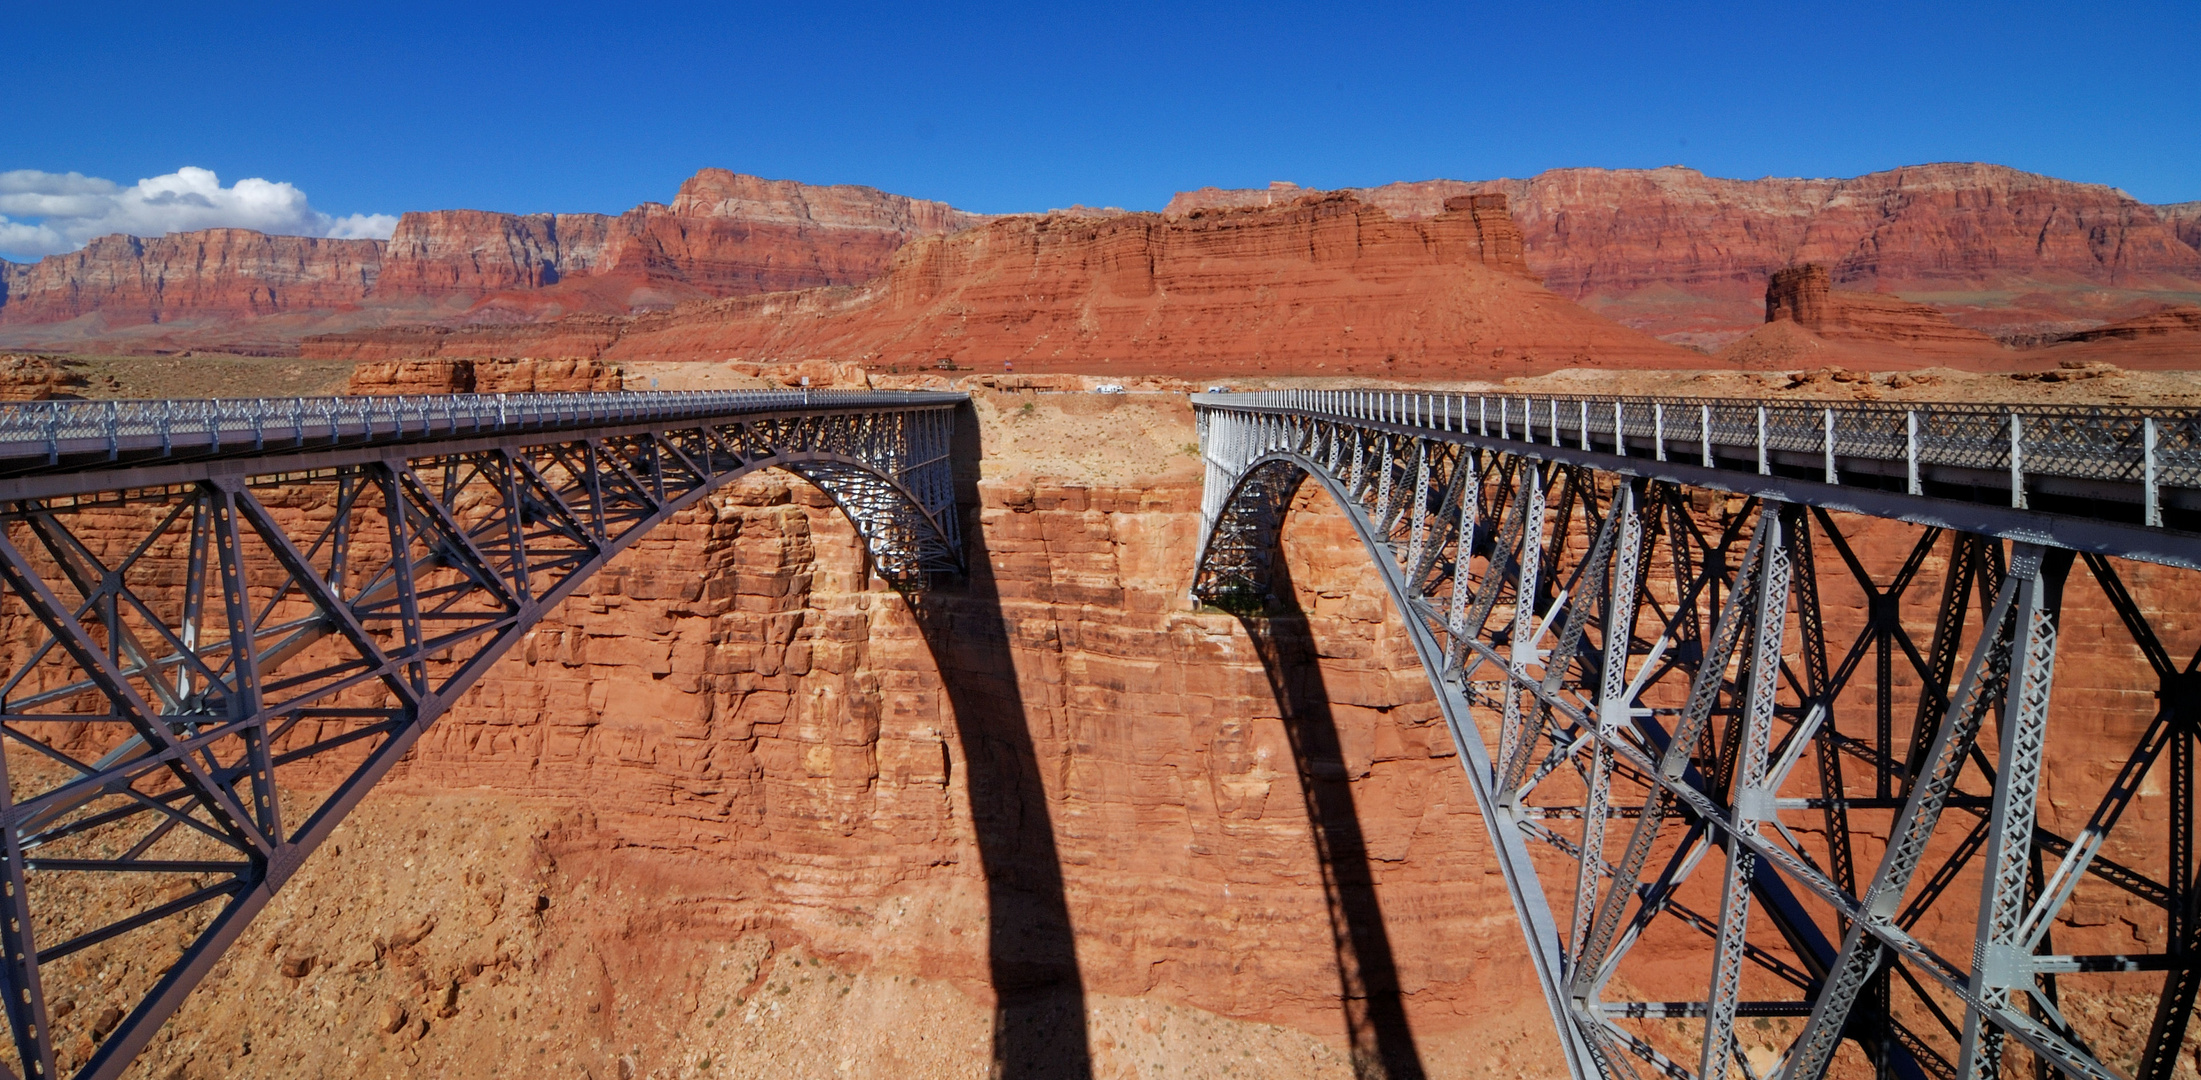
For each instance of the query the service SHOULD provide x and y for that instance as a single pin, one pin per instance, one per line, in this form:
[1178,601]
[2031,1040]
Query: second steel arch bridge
[1762,708]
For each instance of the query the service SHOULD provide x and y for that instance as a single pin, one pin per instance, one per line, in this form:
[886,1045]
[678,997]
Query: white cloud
[42,213]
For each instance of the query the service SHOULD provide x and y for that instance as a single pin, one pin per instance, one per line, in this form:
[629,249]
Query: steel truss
[208,663]
[1769,784]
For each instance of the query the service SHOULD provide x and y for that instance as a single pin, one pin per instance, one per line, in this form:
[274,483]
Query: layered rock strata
[1324,283]
[2178,322]
[230,273]
[1674,250]
[1805,295]
[724,234]
[465,376]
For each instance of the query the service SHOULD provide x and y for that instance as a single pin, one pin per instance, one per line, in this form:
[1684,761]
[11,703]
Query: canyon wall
[724,234]
[230,273]
[2185,219]
[1320,284]
[1675,251]
[1057,792]
[1669,251]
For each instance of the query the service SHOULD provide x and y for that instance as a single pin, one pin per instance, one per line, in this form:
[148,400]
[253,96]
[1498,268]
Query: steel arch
[1652,659]
[205,674]
[1263,497]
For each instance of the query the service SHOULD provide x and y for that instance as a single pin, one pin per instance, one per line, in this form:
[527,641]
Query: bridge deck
[2122,480]
[74,446]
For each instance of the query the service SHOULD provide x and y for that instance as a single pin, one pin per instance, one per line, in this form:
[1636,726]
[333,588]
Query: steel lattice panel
[203,676]
[1743,839]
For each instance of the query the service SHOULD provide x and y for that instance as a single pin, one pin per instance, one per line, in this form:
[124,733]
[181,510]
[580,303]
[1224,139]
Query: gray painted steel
[227,620]
[1627,598]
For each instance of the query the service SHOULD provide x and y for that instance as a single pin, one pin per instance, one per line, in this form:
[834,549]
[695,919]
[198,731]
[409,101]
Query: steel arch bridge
[222,622]
[1759,705]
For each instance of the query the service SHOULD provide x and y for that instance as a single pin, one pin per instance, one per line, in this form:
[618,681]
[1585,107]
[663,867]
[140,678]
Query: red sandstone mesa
[1322,283]
[233,273]
[725,234]
[1668,251]
[1673,250]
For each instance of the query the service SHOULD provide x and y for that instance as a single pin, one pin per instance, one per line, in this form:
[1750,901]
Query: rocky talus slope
[1322,284]
[735,810]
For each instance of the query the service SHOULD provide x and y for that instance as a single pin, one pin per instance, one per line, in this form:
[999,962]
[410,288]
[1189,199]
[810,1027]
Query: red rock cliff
[1607,236]
[220,272]
[2185,219]
[749,741]
[1805,295]
[1322,283]
[725,234]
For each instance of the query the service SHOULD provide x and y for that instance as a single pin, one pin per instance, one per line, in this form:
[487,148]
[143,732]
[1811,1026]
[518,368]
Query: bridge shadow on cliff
[1039,1021]
[1368,980]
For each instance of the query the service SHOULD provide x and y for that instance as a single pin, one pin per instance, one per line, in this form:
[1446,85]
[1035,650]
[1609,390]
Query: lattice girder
[203,676]
[1729,852]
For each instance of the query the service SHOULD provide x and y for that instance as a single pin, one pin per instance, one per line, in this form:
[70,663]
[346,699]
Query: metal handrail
[2153,449]
[45,429]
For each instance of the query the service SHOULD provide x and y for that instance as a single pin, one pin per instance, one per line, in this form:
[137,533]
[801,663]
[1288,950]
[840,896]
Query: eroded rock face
[34,378]
[466,376]
[232,273]
[1805,295]
[724,234]
[1324,283]
[1674,250]
[2174,322]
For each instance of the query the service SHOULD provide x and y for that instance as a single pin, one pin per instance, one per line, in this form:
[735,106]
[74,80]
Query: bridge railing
[2144,451]
[48,429]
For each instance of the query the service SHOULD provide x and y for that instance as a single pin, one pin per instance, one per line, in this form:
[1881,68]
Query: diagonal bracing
[223,623]
[1691,632]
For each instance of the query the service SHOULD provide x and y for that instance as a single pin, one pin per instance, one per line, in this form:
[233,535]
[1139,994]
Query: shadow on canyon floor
[1368,980]
[1039,1018]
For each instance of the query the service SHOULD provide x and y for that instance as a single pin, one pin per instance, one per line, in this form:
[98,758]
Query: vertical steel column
[1751,799]
[1521,644]
[1861,951]
[1614,703]
[2001,959]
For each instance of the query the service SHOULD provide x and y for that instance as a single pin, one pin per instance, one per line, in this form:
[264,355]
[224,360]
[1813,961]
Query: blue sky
[379,108]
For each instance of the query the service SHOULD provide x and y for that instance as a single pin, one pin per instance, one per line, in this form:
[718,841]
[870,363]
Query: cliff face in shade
[725,234]
[1322,283]
[2184,219]
[1673,250]
[235,273]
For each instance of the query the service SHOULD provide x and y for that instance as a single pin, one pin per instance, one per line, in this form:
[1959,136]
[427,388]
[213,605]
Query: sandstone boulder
[34,378]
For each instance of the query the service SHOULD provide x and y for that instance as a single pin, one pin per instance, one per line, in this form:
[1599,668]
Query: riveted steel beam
[1637,602]
[296,587]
